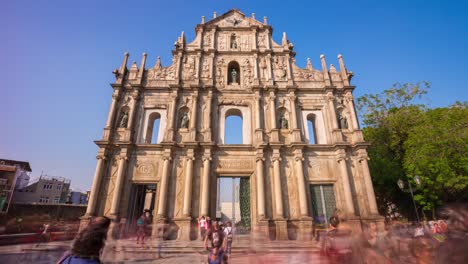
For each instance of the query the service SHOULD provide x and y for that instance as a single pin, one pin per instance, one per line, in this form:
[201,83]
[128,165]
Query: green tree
[388,118]
[436,150]
[408,139]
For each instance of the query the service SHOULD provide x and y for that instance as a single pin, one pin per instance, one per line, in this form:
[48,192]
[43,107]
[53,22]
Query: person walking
[228,234]
[88,244]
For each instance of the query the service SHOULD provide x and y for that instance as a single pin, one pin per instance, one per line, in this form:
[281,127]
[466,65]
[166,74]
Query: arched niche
[241,111]
[149,129]
[234,76]
[318,123]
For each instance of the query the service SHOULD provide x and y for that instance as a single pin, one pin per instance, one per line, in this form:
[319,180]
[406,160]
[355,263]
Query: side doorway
[141,198]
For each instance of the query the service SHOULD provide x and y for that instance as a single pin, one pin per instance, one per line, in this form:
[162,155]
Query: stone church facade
[303,151]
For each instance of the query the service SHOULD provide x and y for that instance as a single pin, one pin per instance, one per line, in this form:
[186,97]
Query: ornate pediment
[234,18]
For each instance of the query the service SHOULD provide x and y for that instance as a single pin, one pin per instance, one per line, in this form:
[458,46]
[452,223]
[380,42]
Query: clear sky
[57,58]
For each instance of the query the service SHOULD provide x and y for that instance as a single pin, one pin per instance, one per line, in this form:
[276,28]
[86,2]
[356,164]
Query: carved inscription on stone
[231,164]
[146,169]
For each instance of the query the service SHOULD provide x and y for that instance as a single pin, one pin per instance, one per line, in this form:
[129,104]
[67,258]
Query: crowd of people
[441,241]
[427,242]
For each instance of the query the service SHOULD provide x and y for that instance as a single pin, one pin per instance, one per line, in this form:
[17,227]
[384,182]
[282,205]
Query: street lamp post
[401,185]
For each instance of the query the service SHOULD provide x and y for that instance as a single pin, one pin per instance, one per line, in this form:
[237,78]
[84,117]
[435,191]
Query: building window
[57,199]
[311,129]
[44,199]
[233,133]
[323,202]
[152,132]
[47,186]
[59,187]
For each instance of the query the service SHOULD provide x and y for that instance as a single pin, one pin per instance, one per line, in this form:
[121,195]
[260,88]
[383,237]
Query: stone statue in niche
[184,121]
[283,122]
[234,76]
[343,121]
[263,68]
[233,41]
[123,119]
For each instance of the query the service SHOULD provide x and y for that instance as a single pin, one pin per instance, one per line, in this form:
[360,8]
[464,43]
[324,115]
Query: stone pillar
[171,117]
[258,124]
[91,209]
[369,187]
[188,186]
[163,188]
[277,178]
[331,106]
[193,118]
[207,118]
[260,187]
[205,201]
[110,116]
[114,211]
[272,110]
[301,185]
[131,117]
[296,136]
[346,185]
[349,99]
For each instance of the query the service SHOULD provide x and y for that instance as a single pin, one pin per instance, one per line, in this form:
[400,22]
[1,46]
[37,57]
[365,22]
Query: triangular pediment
[233,18]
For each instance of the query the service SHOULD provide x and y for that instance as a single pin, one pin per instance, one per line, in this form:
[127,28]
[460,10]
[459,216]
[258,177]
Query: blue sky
[57,58]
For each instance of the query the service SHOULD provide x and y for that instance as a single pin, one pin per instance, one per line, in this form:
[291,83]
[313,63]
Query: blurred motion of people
[142,226]
[44,234]
[454,249]
[337,243]
[88,244]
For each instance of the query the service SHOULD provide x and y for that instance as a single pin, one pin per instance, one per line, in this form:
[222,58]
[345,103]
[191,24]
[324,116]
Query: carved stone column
[207,119]
[91,209]
[205,202]
[296,134]
[114,211]
[163,188]
[368,184]
[188,185]
[350,101]
[277,178]
[337,136]
[258,124]
[193,119]
[171,117]
[273,130]
[260,186]
[301,184]
[110,116]
[346,185]
[134,104]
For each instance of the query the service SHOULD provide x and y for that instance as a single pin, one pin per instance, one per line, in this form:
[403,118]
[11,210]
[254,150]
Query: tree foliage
[408,139]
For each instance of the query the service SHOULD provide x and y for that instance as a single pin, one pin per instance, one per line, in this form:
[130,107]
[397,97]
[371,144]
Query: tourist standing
[228,234]
[215,235]
[202,226]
